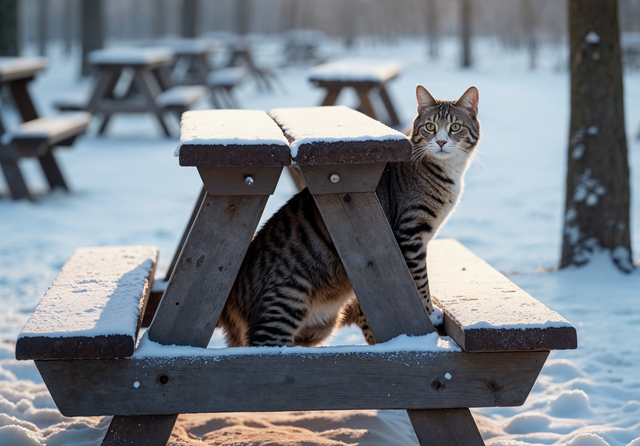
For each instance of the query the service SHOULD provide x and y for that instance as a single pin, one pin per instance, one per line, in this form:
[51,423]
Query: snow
[308,125]
[130,55]
[96,293]
[181,95]
[229,76]
[229,127]
[592,38]
[49,126]
[355,69]
[9,65]
[129,190]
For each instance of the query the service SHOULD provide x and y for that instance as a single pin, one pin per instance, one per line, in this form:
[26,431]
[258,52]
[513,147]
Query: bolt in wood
[334,178]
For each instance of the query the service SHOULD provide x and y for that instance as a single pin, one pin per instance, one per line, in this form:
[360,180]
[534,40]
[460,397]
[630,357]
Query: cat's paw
[436,316]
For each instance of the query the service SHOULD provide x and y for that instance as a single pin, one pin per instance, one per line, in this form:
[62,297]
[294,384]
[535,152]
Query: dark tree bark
[8,27]
[43,26]
[433,28]
[465,31]
[92,30]
[159,26]
[243,12]
[529,26]
[597,188]
[190,9]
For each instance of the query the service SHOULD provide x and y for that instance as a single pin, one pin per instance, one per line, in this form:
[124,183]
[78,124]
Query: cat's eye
[455,127]
[430,126]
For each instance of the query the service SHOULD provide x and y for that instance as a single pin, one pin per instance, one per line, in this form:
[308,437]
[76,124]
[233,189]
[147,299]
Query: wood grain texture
[353,152]
[206,269]
[374,264]
[231,180]
[259,155]
[256,383]
[128,431]
[445,427]
[353,177]
[473,295]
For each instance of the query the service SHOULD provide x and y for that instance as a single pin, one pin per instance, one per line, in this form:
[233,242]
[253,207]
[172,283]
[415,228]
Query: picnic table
[502,335]
[36,137]
[150,87]
[364,76]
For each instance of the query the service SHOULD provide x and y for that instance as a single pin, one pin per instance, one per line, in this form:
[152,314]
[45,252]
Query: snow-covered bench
[37,138]
[502,335]
[179,98]
[364,76]
[222,82]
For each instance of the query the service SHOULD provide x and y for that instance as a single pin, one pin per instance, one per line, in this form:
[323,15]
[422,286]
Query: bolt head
[248,180]
[334,178]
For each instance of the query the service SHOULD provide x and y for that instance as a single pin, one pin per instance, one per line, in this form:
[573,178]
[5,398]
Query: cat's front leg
[415,254]
[352,314]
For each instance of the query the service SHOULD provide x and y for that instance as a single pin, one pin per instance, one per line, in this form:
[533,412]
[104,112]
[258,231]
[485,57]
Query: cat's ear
[469,100]
[425,100]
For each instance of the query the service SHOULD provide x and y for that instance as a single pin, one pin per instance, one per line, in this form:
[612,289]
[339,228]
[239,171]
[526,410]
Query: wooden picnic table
[364,76]
[37,136]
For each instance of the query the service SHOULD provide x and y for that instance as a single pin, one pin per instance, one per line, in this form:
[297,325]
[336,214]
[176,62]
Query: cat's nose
[441,143]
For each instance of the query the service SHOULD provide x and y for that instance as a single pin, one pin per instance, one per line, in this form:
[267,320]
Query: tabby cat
[292,288]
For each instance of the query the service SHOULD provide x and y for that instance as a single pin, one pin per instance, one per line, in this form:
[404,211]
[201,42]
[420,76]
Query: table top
[186,47]
[14,68]
[355,70]
[131,56]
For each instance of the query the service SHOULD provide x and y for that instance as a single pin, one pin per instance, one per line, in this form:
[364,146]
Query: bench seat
[94,307]
[350,72]
[181,97]
[227,77]
[72,102]
[33,137]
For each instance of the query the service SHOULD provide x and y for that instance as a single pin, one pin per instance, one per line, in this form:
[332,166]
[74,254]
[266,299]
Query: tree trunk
[43,26]
[597,188]
[92,30]
[432,28]
[159,18]
[529,26]
[190,18]
[465,31]
[243,9]
[8,27]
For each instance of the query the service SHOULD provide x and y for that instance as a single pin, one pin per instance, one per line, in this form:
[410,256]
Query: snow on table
[486,311]
[130,56]
[332,124]
[358,70]
[15,67]
[231,138]
[50,127]
[181,95]
[97,294]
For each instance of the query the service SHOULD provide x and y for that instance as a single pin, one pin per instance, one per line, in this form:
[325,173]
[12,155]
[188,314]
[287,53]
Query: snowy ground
[128,189]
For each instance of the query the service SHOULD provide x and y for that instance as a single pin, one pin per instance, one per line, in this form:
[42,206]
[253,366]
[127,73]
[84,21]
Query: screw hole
[163,379]
[436,385]
[347,198]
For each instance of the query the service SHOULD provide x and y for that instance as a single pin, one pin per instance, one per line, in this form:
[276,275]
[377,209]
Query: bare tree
[43,26]
[597,188]
[92,30]
[433,28]
[465,31]
[243,13]
[529,26]
[159,25]
[8,27]
[190,10]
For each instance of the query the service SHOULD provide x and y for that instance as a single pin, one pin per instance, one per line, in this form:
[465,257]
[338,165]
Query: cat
[292,288]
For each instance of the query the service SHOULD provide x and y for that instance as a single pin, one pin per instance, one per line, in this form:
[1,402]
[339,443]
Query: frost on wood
[130,56]
[11,65]
[229,127]
[48,127]
[97,293]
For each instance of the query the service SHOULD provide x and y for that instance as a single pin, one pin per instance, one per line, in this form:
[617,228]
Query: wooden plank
[445,427]
[94,307]
[258,155]
[340,135]
[485,311]
[234,180]
[350,177]
[15,180]
[331,96]
[357,379]
[206,269]
[378,272]
[365,102]
[127,430]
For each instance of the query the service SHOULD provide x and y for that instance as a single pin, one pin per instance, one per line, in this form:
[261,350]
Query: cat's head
[446,131]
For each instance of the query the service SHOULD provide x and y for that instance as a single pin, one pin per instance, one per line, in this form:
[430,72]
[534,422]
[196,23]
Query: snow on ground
[129,190]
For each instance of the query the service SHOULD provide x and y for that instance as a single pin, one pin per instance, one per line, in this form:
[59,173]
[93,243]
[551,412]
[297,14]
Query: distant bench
[364,76]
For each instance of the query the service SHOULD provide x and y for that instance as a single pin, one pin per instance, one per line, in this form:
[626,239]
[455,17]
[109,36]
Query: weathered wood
[206,269]
[127,430]
[240,180]
[22,100]
[332,95]
[259,155]
[485,311]
[116,280]
[16,68]
[378,271]
[365,102]
[389,106]
[445,427]
[15,180]
[352,177]
[352,379]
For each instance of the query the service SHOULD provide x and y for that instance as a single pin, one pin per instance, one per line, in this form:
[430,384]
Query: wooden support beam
[454,427]
[358,378]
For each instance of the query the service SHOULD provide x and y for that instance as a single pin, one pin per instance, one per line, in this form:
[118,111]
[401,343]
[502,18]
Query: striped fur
[292,288]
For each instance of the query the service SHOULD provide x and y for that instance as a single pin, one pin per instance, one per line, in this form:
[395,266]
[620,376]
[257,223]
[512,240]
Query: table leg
[15,180]
[52,171]
[149,88]
[140,430]
[445,427]
[103,125]
[22,100]
[332,95]
[365,102]
[389,106]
